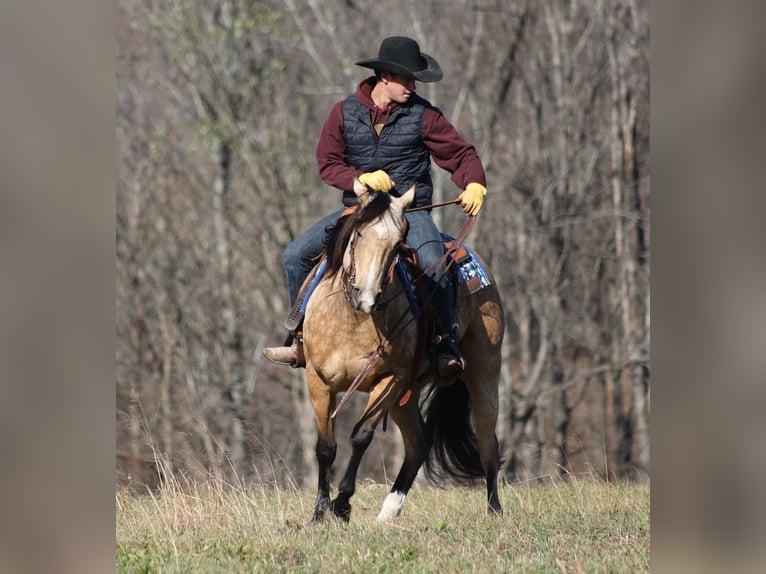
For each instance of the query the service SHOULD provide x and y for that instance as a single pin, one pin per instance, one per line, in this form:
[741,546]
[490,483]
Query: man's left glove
[472,198]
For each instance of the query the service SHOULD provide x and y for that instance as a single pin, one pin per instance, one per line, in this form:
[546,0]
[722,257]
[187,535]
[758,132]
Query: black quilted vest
[399,149]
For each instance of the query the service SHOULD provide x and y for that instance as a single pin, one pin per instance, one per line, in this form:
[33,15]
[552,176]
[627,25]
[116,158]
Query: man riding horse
[383,137]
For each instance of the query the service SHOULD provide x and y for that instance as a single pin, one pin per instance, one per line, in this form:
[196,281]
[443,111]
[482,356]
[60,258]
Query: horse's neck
[336,298]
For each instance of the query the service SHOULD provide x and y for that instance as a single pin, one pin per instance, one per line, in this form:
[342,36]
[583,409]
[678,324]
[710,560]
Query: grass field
[578,526]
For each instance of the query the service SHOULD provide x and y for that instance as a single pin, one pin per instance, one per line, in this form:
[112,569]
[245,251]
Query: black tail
[455,452]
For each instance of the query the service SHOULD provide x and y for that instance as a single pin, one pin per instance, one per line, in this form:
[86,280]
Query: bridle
[349,275]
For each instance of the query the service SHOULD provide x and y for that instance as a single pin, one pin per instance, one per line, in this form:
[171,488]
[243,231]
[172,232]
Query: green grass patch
[579,526]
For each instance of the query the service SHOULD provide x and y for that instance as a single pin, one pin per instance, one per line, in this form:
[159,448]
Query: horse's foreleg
[324,403]
[361,438]
[416,446]
[341,506]
[364,430]
[325,452]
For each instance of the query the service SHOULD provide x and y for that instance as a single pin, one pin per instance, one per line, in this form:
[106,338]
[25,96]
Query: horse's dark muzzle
[355,298]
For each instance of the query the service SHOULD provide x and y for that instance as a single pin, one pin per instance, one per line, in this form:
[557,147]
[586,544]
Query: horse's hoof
[342,511]
[392,506]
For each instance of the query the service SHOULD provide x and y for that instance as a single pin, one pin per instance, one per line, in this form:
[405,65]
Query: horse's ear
[407,198]
[362,192]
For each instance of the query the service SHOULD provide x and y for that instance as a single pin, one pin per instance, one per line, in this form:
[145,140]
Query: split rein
[431,206]
[443,264]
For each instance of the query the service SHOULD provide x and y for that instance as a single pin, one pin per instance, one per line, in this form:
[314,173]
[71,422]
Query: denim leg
[303,253]
[424,236]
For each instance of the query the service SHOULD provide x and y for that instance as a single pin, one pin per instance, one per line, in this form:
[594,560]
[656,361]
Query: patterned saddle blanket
[468,274]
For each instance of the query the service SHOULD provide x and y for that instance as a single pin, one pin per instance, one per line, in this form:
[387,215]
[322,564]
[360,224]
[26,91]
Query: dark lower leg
[341,505]
[416,447]
[489,452]
[493,498]
[325,452]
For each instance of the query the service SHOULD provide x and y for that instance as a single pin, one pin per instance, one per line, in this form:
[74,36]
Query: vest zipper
[377,137]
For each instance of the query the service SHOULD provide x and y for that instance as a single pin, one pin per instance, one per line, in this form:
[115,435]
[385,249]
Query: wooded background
[220,104]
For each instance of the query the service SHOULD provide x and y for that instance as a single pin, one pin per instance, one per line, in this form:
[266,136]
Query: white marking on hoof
[392,506]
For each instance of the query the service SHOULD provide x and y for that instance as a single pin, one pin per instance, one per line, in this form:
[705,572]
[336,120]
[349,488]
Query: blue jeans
[302,255]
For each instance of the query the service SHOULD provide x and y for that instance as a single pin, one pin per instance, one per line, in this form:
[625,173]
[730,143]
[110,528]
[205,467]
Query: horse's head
[372,246]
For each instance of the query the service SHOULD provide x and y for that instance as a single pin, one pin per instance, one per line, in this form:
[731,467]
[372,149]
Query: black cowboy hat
[401,55]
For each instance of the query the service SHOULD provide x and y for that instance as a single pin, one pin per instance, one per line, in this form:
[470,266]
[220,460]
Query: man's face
[399,88]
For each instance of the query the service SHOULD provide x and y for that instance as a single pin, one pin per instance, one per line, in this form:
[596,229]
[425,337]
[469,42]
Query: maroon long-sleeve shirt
[447,148]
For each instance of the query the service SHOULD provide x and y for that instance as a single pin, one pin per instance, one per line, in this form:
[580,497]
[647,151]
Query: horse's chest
[339,344]
[340,366]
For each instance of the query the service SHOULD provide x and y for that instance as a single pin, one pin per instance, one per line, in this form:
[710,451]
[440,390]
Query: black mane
[338,235]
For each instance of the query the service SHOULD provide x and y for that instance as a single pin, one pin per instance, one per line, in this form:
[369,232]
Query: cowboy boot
[288,354]
[282,355]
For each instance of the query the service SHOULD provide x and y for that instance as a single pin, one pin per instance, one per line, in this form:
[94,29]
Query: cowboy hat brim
[431,71]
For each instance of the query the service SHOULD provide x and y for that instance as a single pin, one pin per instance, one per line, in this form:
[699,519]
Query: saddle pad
[471,274]
[468,271]
[295,318]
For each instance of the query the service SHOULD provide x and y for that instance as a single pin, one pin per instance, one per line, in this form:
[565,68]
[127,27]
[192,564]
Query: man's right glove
[377,180]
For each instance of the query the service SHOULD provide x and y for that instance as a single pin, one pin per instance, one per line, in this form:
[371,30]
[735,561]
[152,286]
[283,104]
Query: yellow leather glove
[377,180]
[472,198]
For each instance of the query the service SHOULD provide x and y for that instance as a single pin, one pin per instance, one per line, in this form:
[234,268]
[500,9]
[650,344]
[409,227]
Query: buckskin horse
[359,333]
